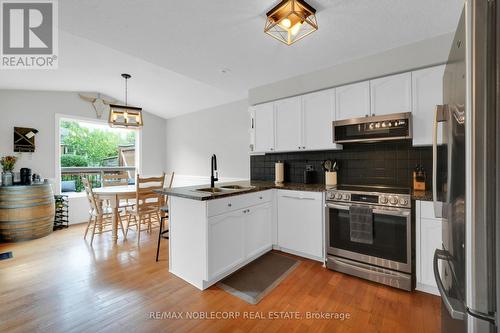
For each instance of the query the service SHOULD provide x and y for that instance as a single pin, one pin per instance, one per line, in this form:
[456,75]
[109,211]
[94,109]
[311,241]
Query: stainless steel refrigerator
[465,174]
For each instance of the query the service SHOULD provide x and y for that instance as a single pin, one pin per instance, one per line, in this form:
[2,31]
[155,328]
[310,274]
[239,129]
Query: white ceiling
[175,50]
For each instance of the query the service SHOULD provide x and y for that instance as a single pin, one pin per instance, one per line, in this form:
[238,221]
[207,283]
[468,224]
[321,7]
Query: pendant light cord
[126,91]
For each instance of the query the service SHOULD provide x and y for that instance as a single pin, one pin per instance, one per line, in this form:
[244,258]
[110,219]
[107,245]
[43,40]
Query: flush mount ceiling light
[290,21]
[124,115]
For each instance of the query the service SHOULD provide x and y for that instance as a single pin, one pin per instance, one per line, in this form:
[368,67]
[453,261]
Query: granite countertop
[421,195]
[190,192]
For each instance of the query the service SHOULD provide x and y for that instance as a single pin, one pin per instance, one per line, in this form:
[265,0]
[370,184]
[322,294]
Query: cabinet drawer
[224,205]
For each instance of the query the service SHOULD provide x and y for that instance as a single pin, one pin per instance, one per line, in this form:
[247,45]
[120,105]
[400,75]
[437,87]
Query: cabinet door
[352,101]
[225,242]
[288,123]
[318,112]
[391,94]
[257,229]
[430,240]
[427,92]
[264,127]
[300,223]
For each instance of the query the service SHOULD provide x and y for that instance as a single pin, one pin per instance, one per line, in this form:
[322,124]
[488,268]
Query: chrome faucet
[214,170]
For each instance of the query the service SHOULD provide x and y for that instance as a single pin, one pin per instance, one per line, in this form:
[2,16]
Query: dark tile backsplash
[360,164]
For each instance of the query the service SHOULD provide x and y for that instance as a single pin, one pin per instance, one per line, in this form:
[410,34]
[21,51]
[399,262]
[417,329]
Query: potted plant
[8,163]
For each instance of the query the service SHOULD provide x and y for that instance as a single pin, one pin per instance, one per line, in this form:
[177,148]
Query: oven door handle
[375,211]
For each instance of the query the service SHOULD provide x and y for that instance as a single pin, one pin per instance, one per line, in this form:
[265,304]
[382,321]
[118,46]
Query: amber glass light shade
[125,116]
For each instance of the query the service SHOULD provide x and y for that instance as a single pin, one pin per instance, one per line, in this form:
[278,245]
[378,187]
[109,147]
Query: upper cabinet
[318,113]
[391,94]
[352,101]
[427,91]
[288,124]
[263,122]
[305,122]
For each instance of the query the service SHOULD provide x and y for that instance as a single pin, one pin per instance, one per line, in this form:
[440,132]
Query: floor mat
[252,282]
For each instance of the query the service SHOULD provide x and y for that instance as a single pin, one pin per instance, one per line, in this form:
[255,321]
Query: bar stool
[164,216]
[163,233]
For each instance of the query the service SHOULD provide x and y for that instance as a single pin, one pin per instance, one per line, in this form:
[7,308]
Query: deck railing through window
[93,174]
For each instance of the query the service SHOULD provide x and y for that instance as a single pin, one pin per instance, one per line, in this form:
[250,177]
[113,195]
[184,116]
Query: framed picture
[24,139]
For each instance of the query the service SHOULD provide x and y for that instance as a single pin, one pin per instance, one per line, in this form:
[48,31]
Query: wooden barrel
[26,212]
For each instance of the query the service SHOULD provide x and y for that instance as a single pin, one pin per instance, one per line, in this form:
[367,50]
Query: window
[95,150]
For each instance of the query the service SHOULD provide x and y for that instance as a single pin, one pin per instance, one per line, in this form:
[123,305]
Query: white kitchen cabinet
[427,92]
[225,242]
[318,113]
[428,239]
[352,101]
[257,229]
[300,223]
[391,94]
[288,124]
[264,127]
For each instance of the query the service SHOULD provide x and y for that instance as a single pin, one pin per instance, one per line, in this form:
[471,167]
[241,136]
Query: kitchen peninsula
[215,231]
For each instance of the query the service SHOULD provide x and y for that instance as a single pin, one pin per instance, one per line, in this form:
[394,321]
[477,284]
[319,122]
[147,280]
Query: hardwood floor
[60,284]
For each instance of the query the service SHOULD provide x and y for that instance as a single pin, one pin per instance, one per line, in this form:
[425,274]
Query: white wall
[426,53]
[38,109]
[193,138]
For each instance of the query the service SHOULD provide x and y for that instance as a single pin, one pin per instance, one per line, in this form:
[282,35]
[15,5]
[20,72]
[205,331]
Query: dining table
[113,195]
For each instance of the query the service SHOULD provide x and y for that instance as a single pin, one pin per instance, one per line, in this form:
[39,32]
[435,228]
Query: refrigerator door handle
[438,117]
[454,306]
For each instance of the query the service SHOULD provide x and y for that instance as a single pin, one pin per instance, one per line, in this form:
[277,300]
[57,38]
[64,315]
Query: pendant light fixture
[290,21]
[124,115]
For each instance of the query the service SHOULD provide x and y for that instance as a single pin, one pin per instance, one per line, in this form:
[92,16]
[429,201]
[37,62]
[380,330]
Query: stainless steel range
[383,253]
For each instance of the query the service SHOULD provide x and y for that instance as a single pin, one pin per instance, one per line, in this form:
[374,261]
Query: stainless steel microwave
[396,126]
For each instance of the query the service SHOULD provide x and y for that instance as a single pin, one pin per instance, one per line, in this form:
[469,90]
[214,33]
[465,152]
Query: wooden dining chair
[164,218]
[100,218]
[120,179]
[148,204]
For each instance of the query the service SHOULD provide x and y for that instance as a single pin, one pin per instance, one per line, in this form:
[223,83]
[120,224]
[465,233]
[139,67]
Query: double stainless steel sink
[224,189]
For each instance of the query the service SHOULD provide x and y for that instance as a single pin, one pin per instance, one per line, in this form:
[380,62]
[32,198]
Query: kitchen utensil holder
[331,178]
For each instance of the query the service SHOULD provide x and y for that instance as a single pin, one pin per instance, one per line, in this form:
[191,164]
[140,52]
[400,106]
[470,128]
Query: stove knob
[345,196]
[383,199]
[338,196]
[393,200]
[403,202]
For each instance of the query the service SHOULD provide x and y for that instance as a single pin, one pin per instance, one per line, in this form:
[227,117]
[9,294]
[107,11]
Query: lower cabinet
[225,242]
[257,229]
[236,236]
[428,238]
[300,223]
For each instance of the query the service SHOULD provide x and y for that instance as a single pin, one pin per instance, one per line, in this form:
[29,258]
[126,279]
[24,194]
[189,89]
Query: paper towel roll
[279,172]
